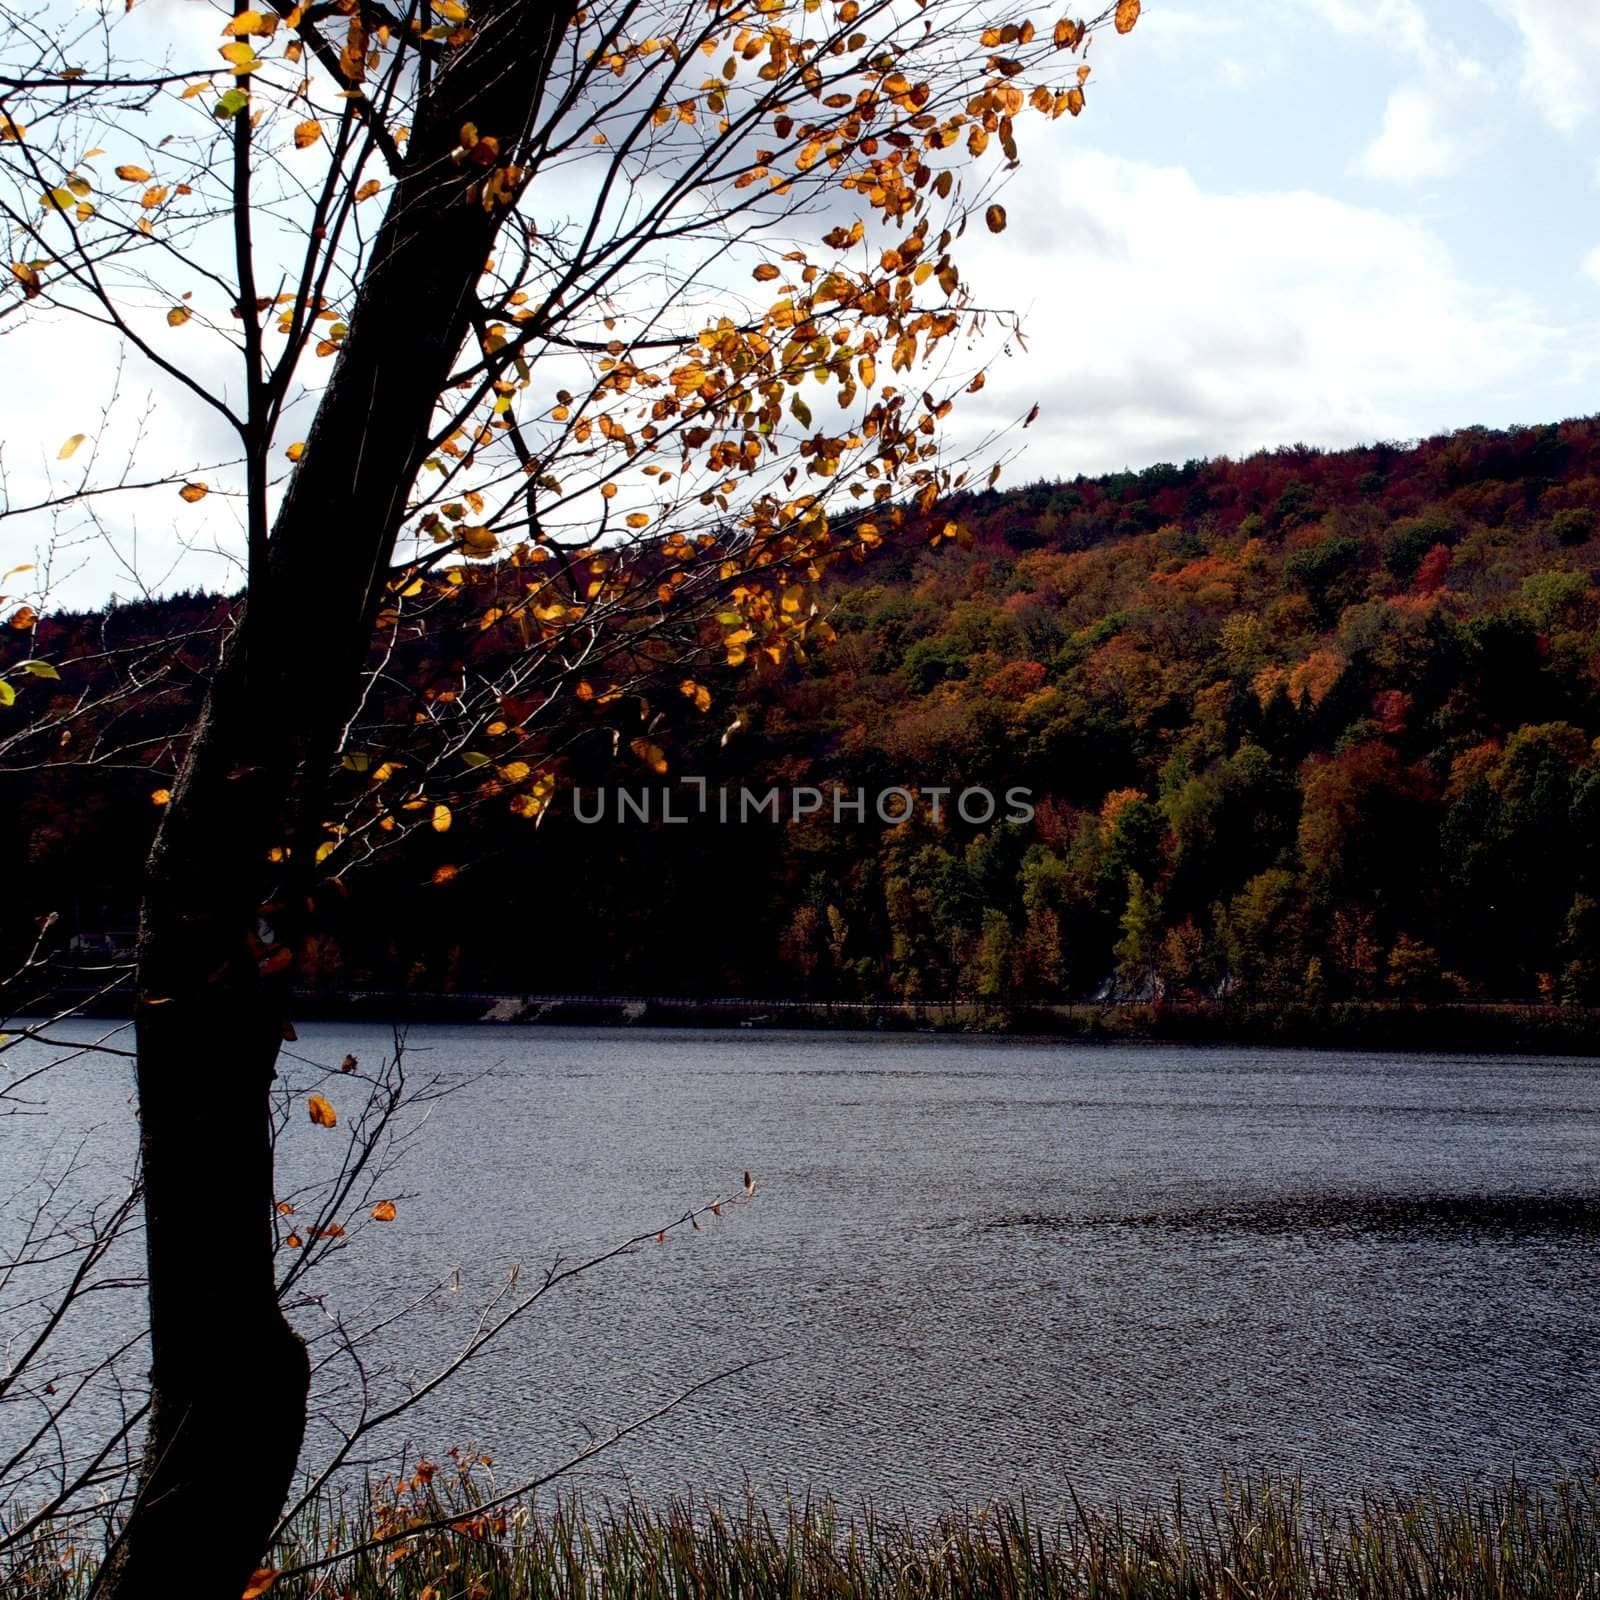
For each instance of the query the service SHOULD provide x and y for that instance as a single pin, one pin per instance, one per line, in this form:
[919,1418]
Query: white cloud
[1560,57]
[1413,143]
[1168,321]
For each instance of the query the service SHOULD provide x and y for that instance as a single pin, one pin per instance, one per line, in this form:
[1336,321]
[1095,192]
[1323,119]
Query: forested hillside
[1306,726]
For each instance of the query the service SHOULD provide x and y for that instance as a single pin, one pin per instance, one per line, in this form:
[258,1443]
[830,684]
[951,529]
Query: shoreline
[1482,1028]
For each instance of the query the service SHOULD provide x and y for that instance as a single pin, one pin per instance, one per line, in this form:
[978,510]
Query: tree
[552,397]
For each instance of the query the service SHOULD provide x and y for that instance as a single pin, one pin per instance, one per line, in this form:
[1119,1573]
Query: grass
[1262,1541]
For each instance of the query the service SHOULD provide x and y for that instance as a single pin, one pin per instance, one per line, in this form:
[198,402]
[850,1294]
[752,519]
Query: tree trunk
[229,1376]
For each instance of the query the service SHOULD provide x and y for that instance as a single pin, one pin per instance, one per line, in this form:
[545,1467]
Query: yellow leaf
[263,1578]
[650,754]
[384,1211]
[178,315]
[249,22]
[10,132]
[368,189]
[239,54]
[66,451]
[306,134]
[441,819]
[450,10]
[193,492]
[321,1112]
[296,450]
[995,216]
[637,519]
[1127,15]
[132,174]
[160,797]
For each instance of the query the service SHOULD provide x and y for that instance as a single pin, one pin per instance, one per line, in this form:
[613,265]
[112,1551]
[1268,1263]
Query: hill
[1308,726]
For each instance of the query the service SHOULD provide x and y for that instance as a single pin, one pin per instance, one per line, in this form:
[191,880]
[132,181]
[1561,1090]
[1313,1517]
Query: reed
[439,1535]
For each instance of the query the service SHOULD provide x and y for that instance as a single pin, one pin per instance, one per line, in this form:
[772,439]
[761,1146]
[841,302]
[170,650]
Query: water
[974,1268]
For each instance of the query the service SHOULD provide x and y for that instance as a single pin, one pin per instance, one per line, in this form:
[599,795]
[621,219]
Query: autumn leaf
[306,134]
[384,1211]
[443,875]
[160,797]
[248,22]
[65,453]
[349,1064]
[1127,15]
[651,754]
[193,492]
[995,216]
[262,1578]
[178,315]
[296,450]
[441,819]
[133,174]
[368,189]
[27,277]
[294,1241]
[765,273]
[321,1112]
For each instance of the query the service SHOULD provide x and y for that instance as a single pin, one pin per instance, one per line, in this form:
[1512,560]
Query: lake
[972,1267]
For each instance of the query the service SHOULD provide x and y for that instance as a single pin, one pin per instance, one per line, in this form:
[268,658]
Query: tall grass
[1261,1541]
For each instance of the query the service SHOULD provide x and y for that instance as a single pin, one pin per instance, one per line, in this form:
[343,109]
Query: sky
[1277,222]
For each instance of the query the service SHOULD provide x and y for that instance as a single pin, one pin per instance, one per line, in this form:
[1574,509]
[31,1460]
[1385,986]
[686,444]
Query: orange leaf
[193,492]
[384,1211]
[368,189]
[160,797]
[322,1113]
[650,754]
[1127,15]
[444,874]
[261,1580]
[306,134]
[132,174]
[765,273]
[178,315]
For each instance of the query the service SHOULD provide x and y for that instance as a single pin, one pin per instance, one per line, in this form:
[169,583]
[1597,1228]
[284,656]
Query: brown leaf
[995,216]
[348,1064]
[1127,15]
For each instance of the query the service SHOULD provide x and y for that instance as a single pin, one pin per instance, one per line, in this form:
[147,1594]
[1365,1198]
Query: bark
[229,1375]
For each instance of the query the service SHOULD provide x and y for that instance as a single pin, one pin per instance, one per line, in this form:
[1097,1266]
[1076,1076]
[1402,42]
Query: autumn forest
[1307,726]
